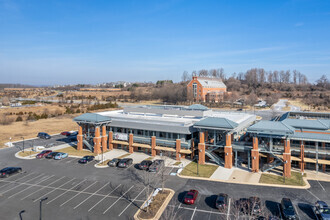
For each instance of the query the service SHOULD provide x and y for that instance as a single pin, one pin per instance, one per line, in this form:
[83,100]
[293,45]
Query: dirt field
[17,130]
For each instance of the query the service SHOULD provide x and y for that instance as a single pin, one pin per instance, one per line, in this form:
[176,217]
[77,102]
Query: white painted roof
[211,83]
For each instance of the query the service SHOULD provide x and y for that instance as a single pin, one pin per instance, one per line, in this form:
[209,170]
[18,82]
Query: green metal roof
[217,123]
[197,107]
[271,127]
[309,124]
[92,118]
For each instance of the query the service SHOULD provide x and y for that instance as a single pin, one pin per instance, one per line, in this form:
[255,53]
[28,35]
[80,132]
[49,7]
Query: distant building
[203,89]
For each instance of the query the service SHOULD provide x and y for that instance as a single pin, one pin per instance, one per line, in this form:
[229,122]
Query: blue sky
[65,42]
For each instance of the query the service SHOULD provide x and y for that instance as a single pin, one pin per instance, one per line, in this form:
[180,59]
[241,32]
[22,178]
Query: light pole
[23,144]
[41,200]
[20,214]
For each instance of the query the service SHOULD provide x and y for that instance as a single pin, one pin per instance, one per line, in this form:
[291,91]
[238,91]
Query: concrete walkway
[222,173]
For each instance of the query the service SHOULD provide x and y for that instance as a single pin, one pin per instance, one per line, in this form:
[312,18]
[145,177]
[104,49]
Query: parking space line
[30,187]
[53,190]
[89,197]
[132,201]
[313,194]
[20,184]
[14,180]
[202,210]
[65,191]
[43,187]
[170,171]
[228,208]
[321,185]
[69,161]
[105,197]
[118,200]
[193,214]
[77,194]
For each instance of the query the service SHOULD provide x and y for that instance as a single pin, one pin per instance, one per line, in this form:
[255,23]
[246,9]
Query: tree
[203,73]
[185,76]
[323,82]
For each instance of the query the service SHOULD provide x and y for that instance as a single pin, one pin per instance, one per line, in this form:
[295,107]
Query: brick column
[302,156]
[228,152]
[104,139]
[192,148]
[324,157]
[255,155]
[178,148]
[206,136]
[201,148]
[130,143]
[287,159]
[97,141]
[153,146]
[80,139]
[110,140]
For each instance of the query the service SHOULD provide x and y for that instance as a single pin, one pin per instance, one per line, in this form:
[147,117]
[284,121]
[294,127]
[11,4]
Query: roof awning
[92,118]
[216,124]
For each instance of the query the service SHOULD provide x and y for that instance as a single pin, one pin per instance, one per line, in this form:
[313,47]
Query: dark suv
[43,135]
[126,162]
[6,172]
[287,209]
[144,165]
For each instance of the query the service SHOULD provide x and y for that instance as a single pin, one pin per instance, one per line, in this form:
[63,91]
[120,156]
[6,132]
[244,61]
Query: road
[77,191]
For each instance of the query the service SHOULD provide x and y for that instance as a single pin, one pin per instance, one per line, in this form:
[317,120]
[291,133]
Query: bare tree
[203,73]
[185,76]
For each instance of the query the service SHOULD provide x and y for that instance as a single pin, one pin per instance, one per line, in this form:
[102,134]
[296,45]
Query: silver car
[156,165]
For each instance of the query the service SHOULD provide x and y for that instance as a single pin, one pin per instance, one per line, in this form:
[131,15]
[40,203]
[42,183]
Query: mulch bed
[156,203]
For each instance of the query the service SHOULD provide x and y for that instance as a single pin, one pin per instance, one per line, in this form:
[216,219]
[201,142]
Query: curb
[254,184]
[33,156]
[160,210]
[100,167]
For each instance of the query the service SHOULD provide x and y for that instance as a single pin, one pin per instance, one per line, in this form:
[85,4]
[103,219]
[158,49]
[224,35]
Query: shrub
[19,118]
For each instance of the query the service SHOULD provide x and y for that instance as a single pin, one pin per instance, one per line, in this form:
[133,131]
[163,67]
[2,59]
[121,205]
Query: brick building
[203,89]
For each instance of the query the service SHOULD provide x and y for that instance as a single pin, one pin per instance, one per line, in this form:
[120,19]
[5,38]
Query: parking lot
[204,207]
[98,198]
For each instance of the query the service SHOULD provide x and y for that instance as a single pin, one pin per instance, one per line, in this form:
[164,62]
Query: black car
[287,209]
[221,202]
[144,165]
[126,162]
[51,155]
[86,159]
[322,210]
[6,172]
[156,165]
[114,162]
[254,205]
[43,135]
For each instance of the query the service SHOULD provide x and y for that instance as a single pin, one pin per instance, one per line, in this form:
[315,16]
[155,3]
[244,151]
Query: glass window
[195,89]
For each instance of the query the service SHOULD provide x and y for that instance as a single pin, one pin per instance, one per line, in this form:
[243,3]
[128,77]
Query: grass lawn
[123,156]
[26,153]
[74,152]
[177,163]
[205,170]
[296,179]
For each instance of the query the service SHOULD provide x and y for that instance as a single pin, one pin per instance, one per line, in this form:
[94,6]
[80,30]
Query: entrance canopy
[92,118]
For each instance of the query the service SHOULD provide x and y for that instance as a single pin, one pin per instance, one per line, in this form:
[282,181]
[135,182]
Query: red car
[43,153]
[65,133]
[190,197]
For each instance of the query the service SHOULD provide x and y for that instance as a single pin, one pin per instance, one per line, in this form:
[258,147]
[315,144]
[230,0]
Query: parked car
[322,210]
[6,172]
[43,135]
[190,197]
[144,165]
[156,165]
[287,209]
[126,162]
[43,153]
[242,205]
[51,155]
[60,155]
[114,162]
[86,159]
[254,205]
[221,202]
[65,133]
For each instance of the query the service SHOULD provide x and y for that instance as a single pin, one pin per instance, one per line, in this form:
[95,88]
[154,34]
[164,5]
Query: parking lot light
[41,200]
[20,214]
